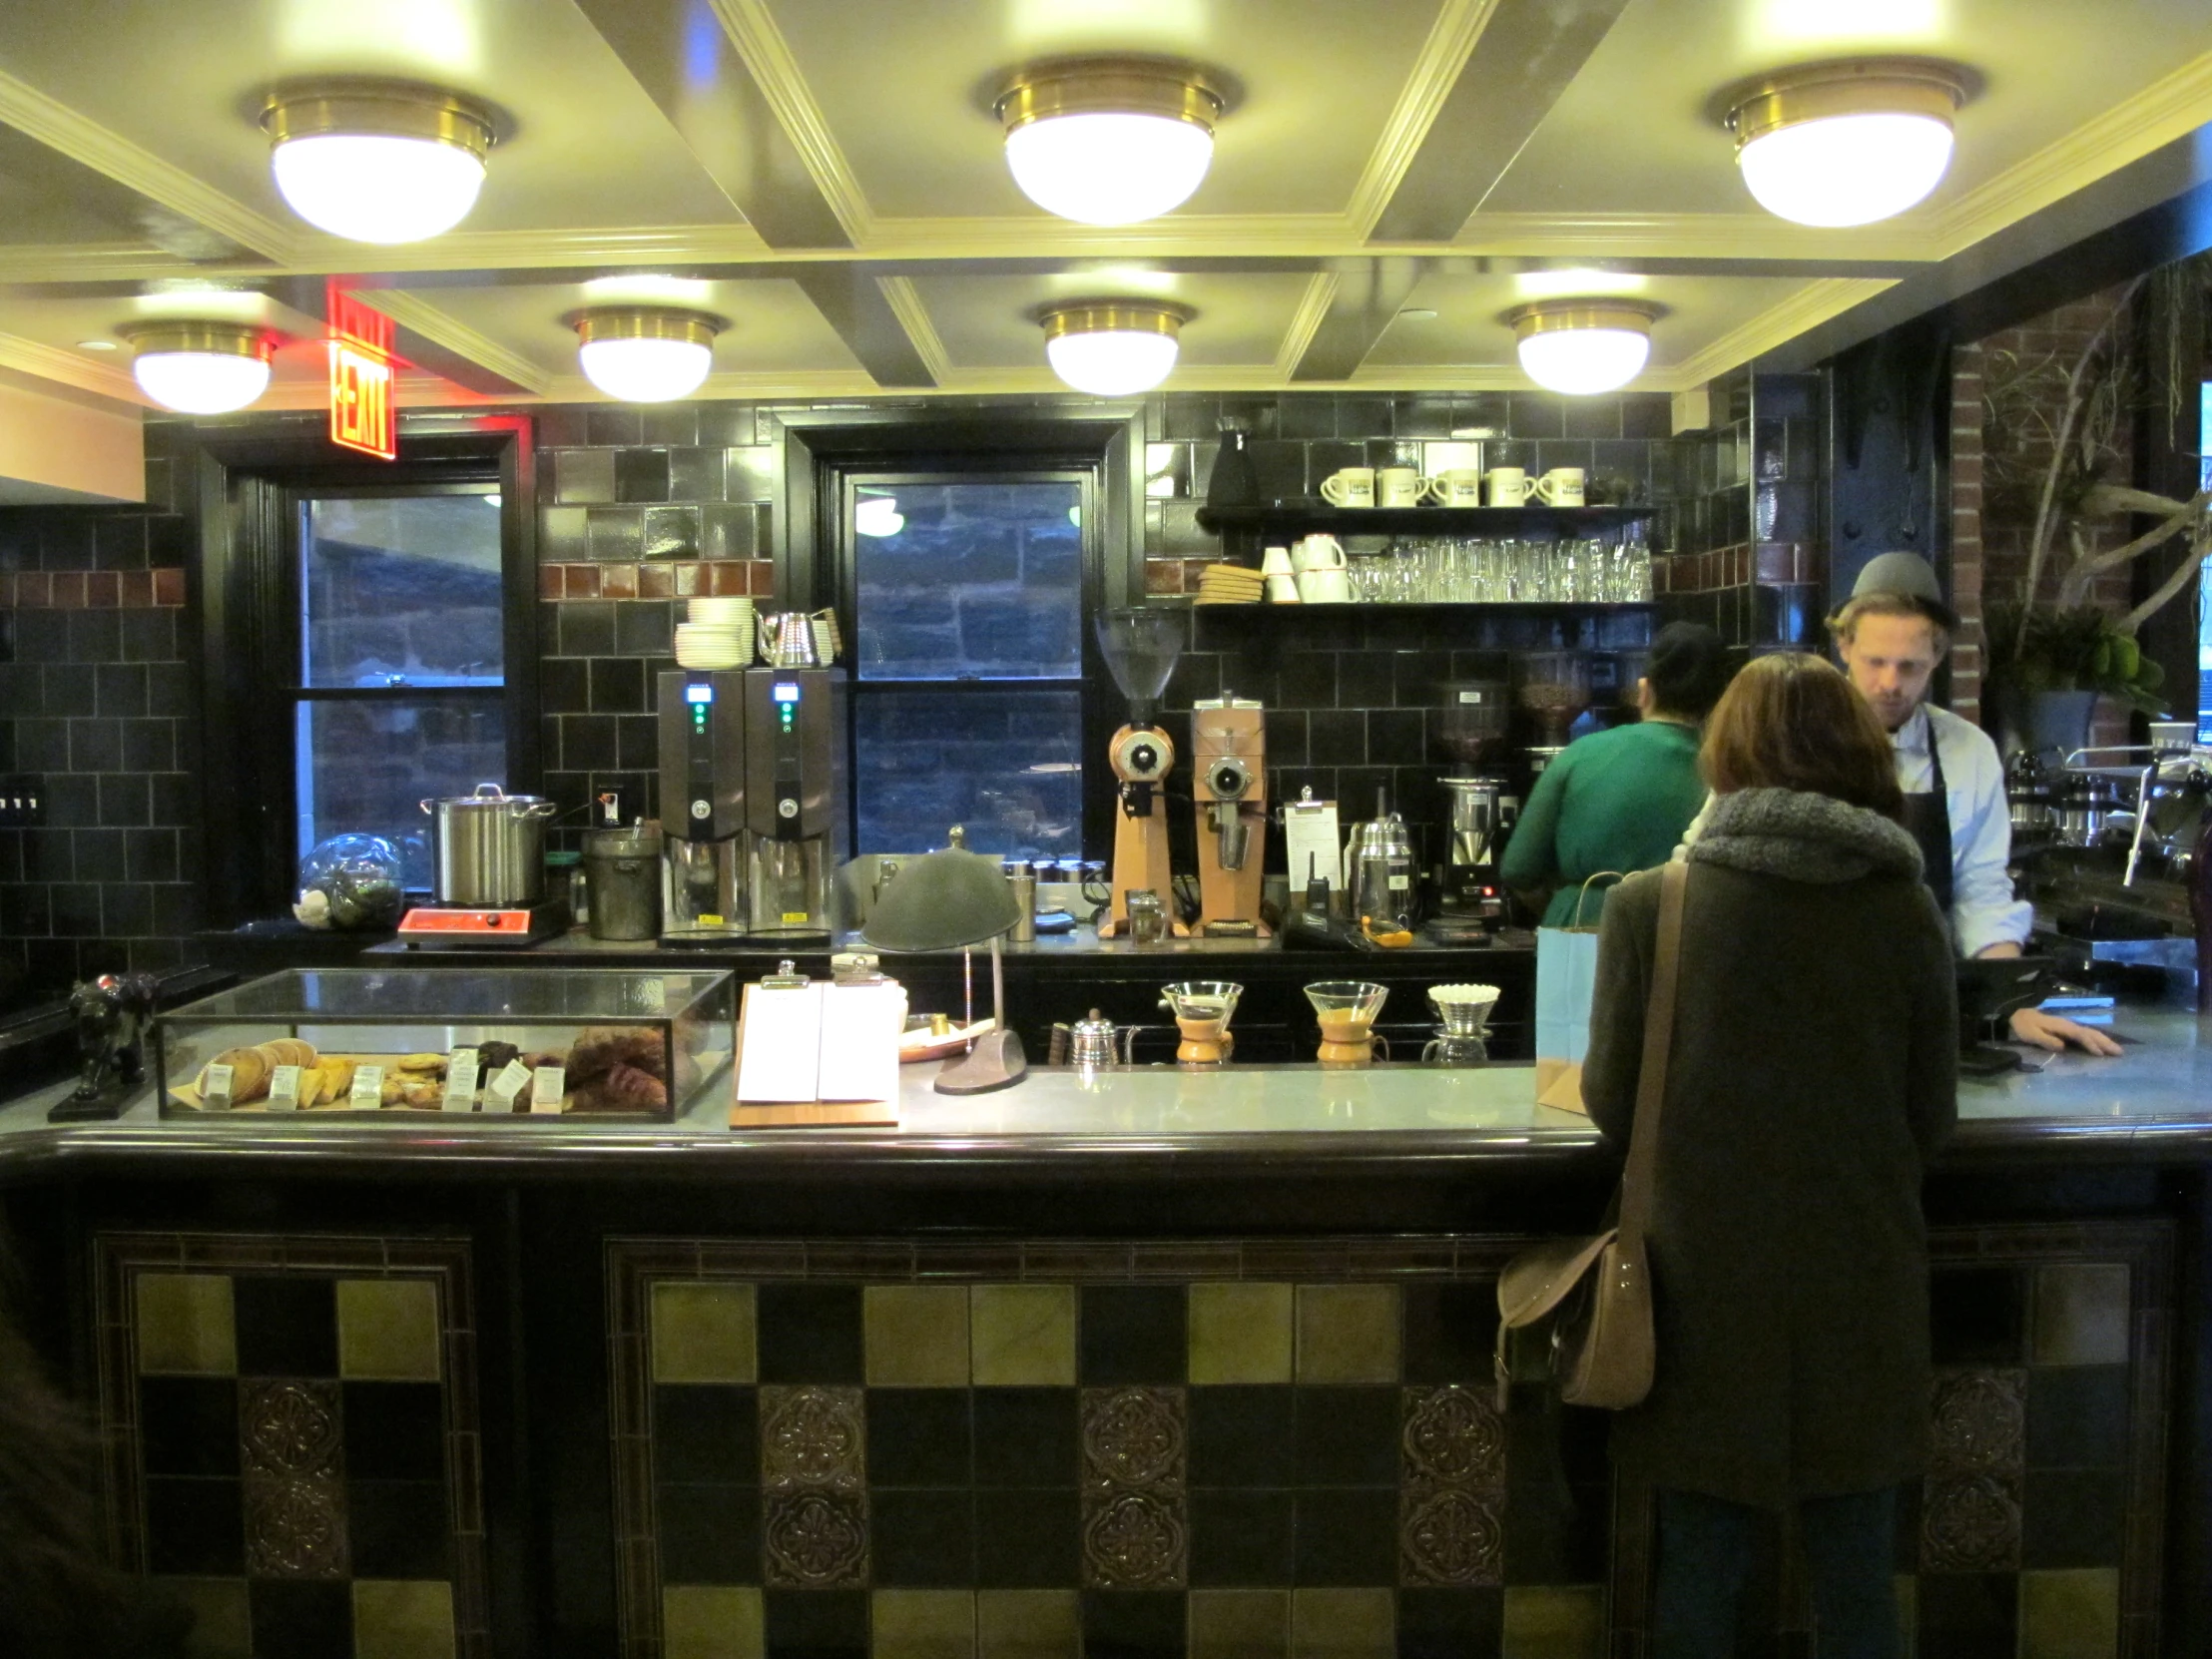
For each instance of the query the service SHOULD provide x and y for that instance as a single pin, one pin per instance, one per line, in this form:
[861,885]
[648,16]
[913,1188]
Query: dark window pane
[400,586]
[1007,765]
[974,581]
[367,766]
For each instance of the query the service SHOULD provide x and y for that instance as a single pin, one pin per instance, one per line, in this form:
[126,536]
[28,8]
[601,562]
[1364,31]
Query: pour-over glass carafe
[1202,1008]
[1347,1010]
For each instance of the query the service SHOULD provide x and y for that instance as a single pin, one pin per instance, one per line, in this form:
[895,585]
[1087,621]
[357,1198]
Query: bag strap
[1651,1079]
[1582,896]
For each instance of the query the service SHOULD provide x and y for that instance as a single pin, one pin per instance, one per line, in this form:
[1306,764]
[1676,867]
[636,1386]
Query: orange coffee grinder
[1230,788]
[1141,645]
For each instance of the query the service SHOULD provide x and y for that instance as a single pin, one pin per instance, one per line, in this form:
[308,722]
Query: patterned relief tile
[1978,1449]
[290,1429]
[1135,1453]
[1451,1493]
[294,1493]
[812,1474]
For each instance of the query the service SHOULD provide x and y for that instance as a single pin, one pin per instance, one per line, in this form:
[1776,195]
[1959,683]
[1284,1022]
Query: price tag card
[461,1081]
[283,1089]
[219,1086]
[367,1092]
[514,1078]
[549,1086]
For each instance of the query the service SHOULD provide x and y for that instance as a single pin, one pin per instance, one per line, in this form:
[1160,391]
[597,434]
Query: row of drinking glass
[1469,569]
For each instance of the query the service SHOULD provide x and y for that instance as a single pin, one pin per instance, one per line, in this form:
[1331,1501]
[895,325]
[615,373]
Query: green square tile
[922,1624]
[389,1330]
[1347,1333]
[1023,1335]
[187,1325]
[222,1626]
[1554,1621]
[2081,1315]
[703,1332]
[397,1619]
[711,1621]
[917,1336]
[1025,1624]
[2073,1614]
[1346,1624]
[1239,1624]
[1241,1332]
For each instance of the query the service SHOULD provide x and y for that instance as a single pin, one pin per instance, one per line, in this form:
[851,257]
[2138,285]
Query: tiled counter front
[1291,1449]
[289,1426]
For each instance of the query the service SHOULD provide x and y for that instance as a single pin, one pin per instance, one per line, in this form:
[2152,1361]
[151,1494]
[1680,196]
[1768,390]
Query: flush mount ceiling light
[377,161]
[200,368]
[1113,347]
[644,353]
[1109,141]
[1579,347]
[1836,144]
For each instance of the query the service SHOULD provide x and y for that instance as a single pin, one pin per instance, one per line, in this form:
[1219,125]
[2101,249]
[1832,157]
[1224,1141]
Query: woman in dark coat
[1813,1070]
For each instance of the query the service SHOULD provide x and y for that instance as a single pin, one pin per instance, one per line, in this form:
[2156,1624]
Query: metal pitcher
[1096,1043]
[787,639]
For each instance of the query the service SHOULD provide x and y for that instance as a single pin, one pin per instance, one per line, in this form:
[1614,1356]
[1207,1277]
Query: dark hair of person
[1792,722]
[1689,670]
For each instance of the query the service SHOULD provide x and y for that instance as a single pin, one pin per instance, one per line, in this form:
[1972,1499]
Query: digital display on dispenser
[785,692]
[699,693]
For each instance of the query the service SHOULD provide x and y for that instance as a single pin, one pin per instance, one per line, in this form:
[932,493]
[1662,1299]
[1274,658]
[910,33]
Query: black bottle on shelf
[1234,483]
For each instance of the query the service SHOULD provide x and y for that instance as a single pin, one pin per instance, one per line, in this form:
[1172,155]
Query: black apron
[1927,821]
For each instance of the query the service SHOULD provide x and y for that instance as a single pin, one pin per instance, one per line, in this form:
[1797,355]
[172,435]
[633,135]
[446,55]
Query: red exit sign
[362,413]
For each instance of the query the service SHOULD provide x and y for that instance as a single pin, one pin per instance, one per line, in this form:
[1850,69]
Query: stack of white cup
[720,633]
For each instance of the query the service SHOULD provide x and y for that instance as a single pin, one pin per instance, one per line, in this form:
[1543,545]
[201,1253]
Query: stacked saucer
[718,634]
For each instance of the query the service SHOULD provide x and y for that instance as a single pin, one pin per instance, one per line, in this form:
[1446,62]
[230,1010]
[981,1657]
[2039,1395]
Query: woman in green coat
[1813,1071]
[1620,799]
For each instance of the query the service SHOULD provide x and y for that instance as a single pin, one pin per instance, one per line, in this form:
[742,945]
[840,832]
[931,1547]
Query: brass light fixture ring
[646,322]
[395,109]
[1853,86]
[1552,316]
[202,335]
[1114,316]
[1110,86]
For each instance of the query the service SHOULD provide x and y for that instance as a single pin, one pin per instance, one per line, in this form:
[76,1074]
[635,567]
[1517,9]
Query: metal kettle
[1382,870]
[787,639]
[1097,1041]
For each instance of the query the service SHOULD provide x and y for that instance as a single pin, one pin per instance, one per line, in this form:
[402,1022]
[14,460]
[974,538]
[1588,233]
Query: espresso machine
[1230,786]
[1479,808]
[701,714]
[1141,646]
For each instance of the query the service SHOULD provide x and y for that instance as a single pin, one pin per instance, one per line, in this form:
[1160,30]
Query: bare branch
[2184,574]
[2088,567]
[2119,499]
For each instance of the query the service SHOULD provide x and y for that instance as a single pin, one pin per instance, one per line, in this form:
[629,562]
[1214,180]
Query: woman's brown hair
[1793,722]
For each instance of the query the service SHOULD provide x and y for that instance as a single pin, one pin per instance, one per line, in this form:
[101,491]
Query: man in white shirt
[1891,635]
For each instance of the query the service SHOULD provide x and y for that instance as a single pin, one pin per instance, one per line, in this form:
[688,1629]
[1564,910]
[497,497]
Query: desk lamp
[949,900]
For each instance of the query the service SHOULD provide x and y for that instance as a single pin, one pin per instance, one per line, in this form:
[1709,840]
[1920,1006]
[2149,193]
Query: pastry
[600,1047]
[543,1057]
[393,1093]
[290,1051]
[420,1096]
[424,1064]
[623,1088]
[250,1069]
[494,1058]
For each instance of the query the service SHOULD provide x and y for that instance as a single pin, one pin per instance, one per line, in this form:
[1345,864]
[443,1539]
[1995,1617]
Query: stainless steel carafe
[1382,872]
[623,869]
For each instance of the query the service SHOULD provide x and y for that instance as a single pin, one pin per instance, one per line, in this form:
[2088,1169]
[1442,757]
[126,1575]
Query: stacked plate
[1229,585]
[734,613]
[718,634]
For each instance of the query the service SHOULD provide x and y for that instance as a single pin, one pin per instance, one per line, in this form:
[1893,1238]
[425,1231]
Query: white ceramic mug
[1283,589]
[1560,487]
[1276,561]
[1461,486]
[1509,488]
[1324,586]
[1352,486]
[1317,552]
[1398,486]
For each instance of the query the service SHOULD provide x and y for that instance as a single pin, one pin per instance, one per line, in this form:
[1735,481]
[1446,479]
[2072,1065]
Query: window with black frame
[967,598]
[401,662]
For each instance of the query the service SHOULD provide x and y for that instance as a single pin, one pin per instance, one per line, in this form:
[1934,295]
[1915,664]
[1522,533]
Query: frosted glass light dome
[377,161]
[1109,141]
[200,368]
[1582,346]
[645,355]
[1112,349]
[1847,169]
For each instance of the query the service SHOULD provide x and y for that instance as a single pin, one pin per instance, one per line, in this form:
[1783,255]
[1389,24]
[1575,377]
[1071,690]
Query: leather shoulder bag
[1584,1305]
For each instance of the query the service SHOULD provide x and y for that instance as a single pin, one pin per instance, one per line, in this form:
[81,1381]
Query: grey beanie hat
[1909,576]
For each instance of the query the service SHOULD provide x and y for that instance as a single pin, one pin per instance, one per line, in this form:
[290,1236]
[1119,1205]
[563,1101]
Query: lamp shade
[1844,144]
[200,368]
[1581,347]
[643,354]
[943,900]
[1109,141]
[1113,349]
[377,161]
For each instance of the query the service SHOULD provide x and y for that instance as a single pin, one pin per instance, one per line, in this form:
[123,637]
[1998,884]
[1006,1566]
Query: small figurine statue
[111,1015]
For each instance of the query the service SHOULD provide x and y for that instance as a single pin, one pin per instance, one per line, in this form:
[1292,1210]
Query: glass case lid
[449,995]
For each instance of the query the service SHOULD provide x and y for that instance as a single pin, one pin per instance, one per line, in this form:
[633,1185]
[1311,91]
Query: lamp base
[996,1063]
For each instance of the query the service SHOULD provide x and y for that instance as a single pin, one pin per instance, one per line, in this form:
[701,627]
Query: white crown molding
[2166,109]
[1810,306]
[753,31]
[1443,55]
[464,250]
[117,262]
[905,300]
[1911,238]
[1041,236]
[1306,321]
[55,125]
[70,368]
[414,311]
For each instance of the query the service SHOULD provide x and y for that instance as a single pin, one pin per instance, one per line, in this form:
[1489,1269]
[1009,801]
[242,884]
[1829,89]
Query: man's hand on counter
[2041,1030]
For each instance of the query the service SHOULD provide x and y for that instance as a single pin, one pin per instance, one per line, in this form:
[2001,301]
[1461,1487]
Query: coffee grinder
[794,801]
[1230,784]
[702,722]
[1479,807]
[1141,646]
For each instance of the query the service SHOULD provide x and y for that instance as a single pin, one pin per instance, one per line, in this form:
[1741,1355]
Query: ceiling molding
[1042,236]
[745,386]
[1313,307]
[421,317]
[905,300]
[2161,113]
[55,125]
[70,368]
[1738,238]
[776,72]
[1451,42]
[1364,303]
[120,262]
[617,246]
[1811,304]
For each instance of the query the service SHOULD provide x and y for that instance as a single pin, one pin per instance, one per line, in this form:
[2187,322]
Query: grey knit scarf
[1803,836]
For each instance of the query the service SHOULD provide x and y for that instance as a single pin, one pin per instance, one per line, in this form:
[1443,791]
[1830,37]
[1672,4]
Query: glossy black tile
[195,1526]
[1244,1537]
[730,532]
[587,628]
[810,1333]
[1337,737]
[816,1624]
[1132,1334]
[1243,1437]
[1026,1539]
[398,1529]
[287,1326]
[1449,1331]
[917,1437]
[1133,1624]
[614,535]
[1349,1536]
[188,1424]
[920,1538]
[1450,1625]
[697,474]
[300,1618]
[668,423]
[618,684]
[583,475]
[1025,1436]
[1968,1615]
[705,1433]
[613,426]
[671,534]
[1976,1315]
[2073,1517]
[708,1533]
[394,1431]
[1346,1436]
[2077,1417]
[564,684]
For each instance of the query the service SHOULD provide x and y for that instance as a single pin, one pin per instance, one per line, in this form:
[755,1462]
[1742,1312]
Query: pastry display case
[533,1042]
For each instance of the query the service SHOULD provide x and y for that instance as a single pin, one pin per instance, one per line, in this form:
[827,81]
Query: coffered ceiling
[827,175]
